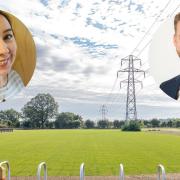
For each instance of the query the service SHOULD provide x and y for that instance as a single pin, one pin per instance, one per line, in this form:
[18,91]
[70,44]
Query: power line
[144,48]
[116,97]
[174,10]
[151,27]
[170,15]
[114,84]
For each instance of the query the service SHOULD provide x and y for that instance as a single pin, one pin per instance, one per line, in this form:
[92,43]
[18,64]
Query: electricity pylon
[131,112]
[103,111]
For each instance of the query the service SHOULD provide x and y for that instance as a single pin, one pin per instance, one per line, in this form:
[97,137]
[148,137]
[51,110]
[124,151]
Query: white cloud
[71,39]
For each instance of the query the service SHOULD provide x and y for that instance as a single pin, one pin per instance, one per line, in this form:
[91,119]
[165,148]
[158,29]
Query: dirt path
[174,131]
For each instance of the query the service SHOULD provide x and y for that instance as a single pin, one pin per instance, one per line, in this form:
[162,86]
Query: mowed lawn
[101,150]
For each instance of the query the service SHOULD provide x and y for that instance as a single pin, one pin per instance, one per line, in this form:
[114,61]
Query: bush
[3,126]
[132,126]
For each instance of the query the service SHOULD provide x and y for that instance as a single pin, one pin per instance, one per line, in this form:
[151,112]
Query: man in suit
[172,86]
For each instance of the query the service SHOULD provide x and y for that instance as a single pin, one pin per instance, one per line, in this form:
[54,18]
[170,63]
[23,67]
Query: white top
[13,87]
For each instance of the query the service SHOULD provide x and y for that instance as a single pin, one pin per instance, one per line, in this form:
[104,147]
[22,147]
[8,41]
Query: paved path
[142,177]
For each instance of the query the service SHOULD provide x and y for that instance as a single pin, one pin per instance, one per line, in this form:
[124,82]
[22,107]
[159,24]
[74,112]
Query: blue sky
[79,48]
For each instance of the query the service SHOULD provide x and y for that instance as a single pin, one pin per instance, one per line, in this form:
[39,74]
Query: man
[176,38]
[172,86]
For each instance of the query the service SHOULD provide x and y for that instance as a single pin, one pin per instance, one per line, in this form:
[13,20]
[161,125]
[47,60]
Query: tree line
[42,112]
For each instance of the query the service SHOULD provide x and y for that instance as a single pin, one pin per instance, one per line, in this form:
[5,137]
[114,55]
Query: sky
[80,45]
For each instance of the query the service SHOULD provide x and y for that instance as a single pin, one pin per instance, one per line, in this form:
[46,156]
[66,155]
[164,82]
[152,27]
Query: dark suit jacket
[171,87]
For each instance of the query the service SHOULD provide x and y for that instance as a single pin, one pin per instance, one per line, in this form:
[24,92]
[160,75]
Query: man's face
[177,38]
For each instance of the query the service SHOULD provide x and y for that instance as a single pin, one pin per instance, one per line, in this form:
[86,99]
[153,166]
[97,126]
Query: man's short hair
[176,19]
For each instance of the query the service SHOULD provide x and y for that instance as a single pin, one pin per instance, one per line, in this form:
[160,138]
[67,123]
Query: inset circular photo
[17,56]
[164,57]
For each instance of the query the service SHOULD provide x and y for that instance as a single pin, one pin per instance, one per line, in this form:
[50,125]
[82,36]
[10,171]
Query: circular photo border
[25,61]
[164,59]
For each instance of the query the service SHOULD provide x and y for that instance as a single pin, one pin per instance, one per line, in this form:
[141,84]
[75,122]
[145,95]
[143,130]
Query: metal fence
[161,175]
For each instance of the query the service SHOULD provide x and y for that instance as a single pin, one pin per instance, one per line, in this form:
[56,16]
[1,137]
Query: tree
[177,123]
[147,124]
[39,110]
[118,124]
[10,117]
[170,123]
[50,124]
[163,124]
[26,124]
[89,124]
[103,124]
[74,124]
[67,120]
[155,123]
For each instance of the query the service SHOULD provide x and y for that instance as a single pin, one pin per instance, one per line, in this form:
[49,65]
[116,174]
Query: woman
[16,63]
[10,81]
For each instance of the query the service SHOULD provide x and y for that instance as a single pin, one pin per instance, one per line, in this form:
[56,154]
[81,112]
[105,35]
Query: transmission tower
[131,113]
[103,111]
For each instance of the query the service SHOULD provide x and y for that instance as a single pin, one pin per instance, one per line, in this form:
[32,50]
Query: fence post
[82,173]
[161,172]
[43,164]
[121,172]
[8,167]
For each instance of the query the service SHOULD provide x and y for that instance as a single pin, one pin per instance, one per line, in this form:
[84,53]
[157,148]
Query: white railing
[8,167]
[161,172]
[121,172]
[82,172]
[43,164]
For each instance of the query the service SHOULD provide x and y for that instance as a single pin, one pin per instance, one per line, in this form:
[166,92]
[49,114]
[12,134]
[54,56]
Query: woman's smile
[5,61]
[8,47]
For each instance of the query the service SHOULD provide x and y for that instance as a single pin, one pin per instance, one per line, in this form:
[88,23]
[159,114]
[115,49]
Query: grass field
[100,150]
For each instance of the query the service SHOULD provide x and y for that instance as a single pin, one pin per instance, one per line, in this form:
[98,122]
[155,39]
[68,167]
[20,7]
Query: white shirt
[13,87]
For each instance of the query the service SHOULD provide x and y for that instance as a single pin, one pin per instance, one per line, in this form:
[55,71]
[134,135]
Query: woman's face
[8,46]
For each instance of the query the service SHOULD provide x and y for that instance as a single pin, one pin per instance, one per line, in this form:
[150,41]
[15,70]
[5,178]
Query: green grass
[101,150]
